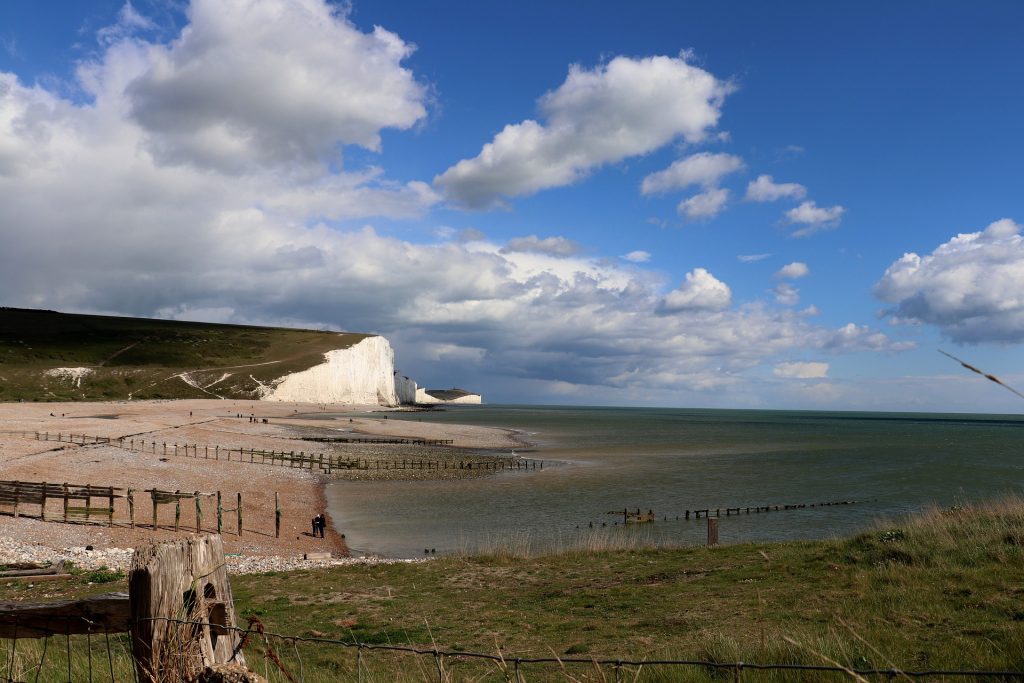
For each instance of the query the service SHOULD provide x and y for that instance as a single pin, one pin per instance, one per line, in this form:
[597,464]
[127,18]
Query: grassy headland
[941,590]
[148,359]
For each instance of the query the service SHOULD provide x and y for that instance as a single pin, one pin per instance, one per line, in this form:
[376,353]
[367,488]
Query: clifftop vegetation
[51,356]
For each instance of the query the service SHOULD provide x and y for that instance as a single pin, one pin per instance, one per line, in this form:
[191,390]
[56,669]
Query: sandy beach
[211,423]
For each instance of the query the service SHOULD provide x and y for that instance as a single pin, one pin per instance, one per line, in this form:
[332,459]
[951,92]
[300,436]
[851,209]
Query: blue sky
[286,162]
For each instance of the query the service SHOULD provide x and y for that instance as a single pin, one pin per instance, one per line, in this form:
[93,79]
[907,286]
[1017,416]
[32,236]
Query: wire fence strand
[513,670]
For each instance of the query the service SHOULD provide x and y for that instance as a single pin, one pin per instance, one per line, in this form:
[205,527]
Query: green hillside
[141,358]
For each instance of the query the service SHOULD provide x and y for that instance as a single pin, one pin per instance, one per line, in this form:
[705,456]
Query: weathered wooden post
[131,508]
[199,514]
[153,496]
[65,501]
[177,510]
[181,581]
[110,502]
[277,514]
[220,514]
[238,509]
[712,531]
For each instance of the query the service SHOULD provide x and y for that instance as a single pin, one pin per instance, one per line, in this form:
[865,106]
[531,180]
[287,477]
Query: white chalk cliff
[364,373]
[405,388]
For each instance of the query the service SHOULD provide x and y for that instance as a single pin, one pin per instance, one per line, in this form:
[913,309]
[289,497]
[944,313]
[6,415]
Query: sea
[599,461]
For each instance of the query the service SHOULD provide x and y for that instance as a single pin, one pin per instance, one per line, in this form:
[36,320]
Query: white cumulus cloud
[700,291]
[597,116]
[814,218]
[707,204]
[786,294]
[638,256]
[271,82]
[765,189]
[971,287]
[552,246]
[793,271]
[801,370]
[704,169]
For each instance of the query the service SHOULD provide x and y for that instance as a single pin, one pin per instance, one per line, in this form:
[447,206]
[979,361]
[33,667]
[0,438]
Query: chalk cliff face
[361,374]
[426,396]
[405,388]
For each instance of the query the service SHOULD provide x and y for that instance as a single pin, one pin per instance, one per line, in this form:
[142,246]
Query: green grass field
[144,359]
[943,590]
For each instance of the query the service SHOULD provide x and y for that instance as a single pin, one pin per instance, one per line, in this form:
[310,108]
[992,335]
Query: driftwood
[182,580]
[101,614]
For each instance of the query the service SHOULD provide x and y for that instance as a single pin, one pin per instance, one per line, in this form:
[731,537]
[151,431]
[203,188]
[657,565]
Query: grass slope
[146,359]
[944,590]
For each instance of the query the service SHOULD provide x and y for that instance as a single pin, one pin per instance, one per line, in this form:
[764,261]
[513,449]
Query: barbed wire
[439,655]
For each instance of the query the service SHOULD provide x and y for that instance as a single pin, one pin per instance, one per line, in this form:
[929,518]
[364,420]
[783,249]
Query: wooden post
[277,514]
[17,488]
[131,507]
[199,514]
[153,495]
[220,514]
[712,531]
[42,505]
[65,501]
[238,509]
[177,509]
[187,580]
[110,501]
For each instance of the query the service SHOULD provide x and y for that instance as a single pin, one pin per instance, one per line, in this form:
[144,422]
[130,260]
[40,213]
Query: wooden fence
[18,495]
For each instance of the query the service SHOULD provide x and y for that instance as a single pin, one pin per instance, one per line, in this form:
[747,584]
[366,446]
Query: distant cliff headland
[51,356]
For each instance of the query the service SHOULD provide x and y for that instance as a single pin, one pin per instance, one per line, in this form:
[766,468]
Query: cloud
[471,235]
[700,291]
[702,169]
[129,22]
[970,287]
[269,83]
[764,189]
[752,258]
[597,116]
[801,370]
[793,271]
[786,294]
[294,243]
[552,246]
[704,205]
[638,256]
[816,218]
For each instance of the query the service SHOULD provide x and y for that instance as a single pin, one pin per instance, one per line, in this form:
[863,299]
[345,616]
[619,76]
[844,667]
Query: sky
[788,205]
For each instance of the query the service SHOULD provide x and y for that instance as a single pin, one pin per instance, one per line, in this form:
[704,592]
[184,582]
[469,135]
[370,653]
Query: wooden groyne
[382,440]
[632,516]
[325,462]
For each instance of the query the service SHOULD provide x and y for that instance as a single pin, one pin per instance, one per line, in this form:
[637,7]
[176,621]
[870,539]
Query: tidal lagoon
[601,460]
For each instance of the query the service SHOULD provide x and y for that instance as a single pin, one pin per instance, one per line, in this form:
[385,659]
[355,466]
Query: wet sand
[213,423]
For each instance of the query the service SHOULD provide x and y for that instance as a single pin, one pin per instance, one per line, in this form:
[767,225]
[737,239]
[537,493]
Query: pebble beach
[213,423]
